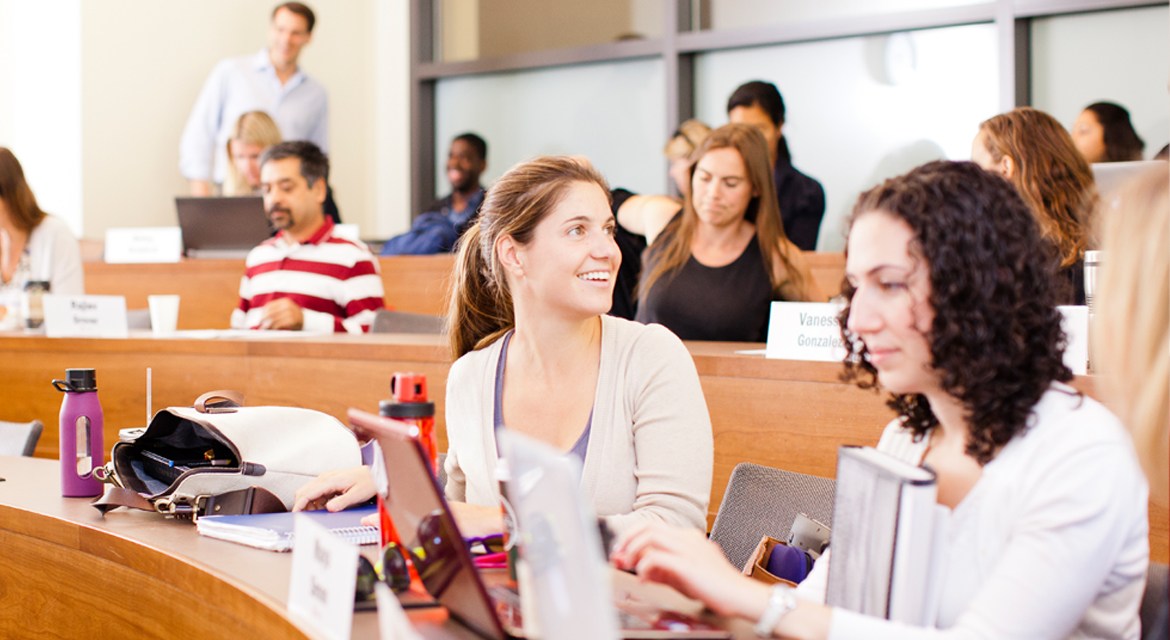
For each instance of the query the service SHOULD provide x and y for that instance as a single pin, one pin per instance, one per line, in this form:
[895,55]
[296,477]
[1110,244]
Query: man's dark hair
[476,143]
[314,162]
[301,10]
[1122,143]
[995,341]
[766,96]
[763,94]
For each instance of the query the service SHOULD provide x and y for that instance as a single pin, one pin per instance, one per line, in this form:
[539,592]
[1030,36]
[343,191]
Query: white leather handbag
[225,458]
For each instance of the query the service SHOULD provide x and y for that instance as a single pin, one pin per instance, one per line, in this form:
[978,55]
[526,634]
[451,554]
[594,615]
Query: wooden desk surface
[783,414]
[66,572]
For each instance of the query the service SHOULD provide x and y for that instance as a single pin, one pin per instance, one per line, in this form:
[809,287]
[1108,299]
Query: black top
[802,205]
[729,303]
[625,304]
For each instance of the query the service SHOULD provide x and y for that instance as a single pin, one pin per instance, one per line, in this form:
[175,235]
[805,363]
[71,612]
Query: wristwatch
[782,600]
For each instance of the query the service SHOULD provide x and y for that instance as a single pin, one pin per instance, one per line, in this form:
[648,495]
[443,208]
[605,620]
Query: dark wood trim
[422,107]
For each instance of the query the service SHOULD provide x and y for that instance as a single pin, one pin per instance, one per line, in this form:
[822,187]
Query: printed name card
[1075,325]
[324,574]
[805,331]
[144,245]
[85,316]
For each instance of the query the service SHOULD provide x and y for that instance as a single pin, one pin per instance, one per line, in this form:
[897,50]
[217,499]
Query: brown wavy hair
[996,341]
[480,309]
[16,194]
[1052,177]
[672,247]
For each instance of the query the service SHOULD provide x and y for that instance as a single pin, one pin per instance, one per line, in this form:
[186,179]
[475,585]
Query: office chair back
[1157,591]
[387,321]
[19,438]
[762,501]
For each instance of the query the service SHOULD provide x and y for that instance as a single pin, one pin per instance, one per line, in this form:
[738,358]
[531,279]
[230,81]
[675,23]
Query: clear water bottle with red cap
[81,447]
[410,404]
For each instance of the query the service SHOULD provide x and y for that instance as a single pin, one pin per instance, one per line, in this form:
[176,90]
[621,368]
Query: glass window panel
[721,15]
[859,110]
[1114,56]
[473,29]
[611,113]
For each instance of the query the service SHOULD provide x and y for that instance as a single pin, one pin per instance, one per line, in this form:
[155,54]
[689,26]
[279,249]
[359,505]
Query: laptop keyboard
[509,596]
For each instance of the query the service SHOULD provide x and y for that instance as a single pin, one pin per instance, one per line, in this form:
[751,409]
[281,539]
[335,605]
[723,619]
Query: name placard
[85,316]
[144,245]
[324,574]
[1075,325]
[805,331]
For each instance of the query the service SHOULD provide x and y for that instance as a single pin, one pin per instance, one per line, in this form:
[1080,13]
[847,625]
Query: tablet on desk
[223,228]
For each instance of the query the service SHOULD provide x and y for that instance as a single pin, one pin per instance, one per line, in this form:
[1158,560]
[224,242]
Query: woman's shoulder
[628,336]
[52,226]
[1070,420]
[473,365]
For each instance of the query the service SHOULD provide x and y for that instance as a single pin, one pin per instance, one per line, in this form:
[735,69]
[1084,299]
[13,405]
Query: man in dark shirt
[436,230]
[801,198]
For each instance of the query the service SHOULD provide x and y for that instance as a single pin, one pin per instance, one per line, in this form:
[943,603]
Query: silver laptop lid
[222,227]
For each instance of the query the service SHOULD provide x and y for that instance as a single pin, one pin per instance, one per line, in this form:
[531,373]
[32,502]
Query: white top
[51,253]
[1051,542]
[650,451]
[239,85]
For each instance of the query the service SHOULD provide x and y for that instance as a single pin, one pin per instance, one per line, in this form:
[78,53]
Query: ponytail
[480,307]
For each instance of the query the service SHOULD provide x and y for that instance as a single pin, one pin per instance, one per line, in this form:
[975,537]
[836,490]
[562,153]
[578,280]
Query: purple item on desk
[789,563]
[81,447]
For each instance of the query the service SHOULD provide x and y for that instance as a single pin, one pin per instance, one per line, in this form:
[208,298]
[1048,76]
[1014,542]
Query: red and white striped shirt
[335,281]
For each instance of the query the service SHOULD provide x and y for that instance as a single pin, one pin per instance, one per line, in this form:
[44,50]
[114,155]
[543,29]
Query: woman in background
[254,132]
[34,246]
[1103,133]
[952,311]
[1036,154]
[714,266]
[1131,334]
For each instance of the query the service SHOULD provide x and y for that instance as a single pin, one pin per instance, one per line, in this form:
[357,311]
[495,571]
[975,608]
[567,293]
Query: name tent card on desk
[1075,324]
[324,574]
[805,331]
[138,245]
[85,316]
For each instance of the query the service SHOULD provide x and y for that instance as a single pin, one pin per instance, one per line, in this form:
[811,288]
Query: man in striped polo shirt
[305,278]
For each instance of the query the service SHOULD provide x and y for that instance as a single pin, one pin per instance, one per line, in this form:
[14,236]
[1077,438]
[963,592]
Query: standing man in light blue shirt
[268,81]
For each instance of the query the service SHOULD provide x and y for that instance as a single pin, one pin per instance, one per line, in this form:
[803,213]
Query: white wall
[612,113]
[94,95]
[41,94]
[846,124]
[1114,56]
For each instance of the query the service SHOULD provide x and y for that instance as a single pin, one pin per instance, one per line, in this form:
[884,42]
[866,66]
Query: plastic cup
[164,313]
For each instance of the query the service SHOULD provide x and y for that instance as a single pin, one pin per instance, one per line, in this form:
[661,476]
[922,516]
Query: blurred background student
[1103,133]
[1131,335]
[1036,154]
[714,266]
[34,246]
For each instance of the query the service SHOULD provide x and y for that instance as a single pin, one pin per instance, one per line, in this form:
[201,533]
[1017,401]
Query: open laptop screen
[425,526]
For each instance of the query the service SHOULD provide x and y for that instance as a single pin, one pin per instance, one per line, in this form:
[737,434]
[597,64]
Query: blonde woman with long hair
[252,133]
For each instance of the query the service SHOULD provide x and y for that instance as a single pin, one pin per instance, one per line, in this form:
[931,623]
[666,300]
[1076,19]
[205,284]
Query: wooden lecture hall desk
[783,414]
[66,572]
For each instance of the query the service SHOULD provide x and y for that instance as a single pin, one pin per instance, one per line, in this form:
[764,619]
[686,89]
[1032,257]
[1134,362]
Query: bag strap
[232,503]
[224,402]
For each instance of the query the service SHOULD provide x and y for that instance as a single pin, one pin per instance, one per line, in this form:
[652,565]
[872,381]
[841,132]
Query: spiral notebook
[274,531]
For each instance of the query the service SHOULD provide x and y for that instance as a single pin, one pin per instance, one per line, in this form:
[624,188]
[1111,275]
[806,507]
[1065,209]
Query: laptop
[570,577]
[223,228]
[1112,177]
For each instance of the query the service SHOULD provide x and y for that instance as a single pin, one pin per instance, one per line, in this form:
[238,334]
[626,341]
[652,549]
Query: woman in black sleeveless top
[713,267]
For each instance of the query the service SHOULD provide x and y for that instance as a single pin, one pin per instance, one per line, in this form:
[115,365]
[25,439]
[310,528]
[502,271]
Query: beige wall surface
[144,63]
[512,26]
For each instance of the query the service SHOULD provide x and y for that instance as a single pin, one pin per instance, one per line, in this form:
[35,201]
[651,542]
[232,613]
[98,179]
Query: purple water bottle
[81,433]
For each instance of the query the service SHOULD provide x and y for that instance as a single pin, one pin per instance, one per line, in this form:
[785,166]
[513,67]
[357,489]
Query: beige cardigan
[650,450]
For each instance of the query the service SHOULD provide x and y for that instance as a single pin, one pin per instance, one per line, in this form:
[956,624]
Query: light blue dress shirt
[237,86]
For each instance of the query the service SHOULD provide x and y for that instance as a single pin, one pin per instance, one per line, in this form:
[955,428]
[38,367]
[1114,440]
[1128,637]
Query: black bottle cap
[82,380]
[404,410]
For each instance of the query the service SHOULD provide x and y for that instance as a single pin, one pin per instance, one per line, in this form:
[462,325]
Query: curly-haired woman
[1035,153]
[951,307]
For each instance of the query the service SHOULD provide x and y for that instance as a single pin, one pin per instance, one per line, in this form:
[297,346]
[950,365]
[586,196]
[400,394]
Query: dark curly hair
[996,340]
